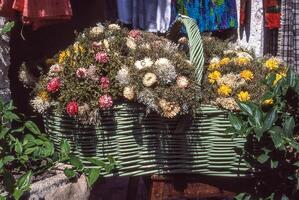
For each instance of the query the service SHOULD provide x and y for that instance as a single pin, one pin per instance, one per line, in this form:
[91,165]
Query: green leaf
[1,105]
[263,158]
[69,173]
[288,127]
[7,27]
[65,149]
[10,116]
[242,196]
[259,131]
[270,119]
[2,198]
[30,150]
[246,107]
[24,181]
[18,147]
[3,132]
[18,130]
[296,164]
[258,117]
[76,162]
[8,159]
[274,164]
[276,136]
[97,162]
[93,176]
[235,121]
[291,77]
[32,127]
[17,194]
[8,181]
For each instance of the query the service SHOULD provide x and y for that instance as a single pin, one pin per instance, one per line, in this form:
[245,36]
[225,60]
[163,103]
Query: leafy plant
[271,127]
[26,152]
[7,28]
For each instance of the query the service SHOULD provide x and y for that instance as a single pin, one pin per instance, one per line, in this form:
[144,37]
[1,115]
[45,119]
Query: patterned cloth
[288,38]
[211,15]
[153,15]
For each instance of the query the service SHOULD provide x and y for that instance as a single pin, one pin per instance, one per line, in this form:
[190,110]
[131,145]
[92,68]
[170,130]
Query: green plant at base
[271,128]
[26,152]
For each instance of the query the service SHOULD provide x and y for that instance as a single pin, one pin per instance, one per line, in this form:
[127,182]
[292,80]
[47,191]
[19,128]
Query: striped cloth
[288,36]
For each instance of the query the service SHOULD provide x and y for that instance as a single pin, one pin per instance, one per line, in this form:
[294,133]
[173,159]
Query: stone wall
[4,64]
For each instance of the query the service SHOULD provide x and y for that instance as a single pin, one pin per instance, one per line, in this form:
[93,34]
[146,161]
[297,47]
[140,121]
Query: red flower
[102,57]
[135,34]
[104,81]
[105,101]
[72,108]
[53,85]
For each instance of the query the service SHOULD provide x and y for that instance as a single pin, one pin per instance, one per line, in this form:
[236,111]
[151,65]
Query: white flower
[228,52]
[149,79]
[54,69]
[142,64]
[162,62]
[244,55]
[146,46]
[182,81]
[92,73]
[97,30]
[215,60]
[81,72]
[129,93]
[122,76]
[40,105]
[131,44]
[114,27]
[165,70]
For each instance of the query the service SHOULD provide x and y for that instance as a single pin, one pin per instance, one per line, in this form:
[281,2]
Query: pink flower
[81,72]
[102,57]
[105,82]
[105,101]
[135,34]
[53,85]
[72,108]
[55,68]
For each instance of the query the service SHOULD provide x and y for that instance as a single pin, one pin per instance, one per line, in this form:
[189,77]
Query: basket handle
[195,42]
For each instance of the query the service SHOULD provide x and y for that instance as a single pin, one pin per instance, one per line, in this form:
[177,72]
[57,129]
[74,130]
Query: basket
[148,144]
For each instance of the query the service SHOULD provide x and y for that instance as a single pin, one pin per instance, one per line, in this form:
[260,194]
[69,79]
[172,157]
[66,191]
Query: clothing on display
[272,14]
[40,13]
[153,16]
[288,35]
[210,15]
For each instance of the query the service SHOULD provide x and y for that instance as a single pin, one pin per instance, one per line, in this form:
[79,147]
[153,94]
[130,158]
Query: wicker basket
[145,145]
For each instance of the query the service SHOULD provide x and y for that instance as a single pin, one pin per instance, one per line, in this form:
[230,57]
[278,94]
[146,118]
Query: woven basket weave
[145,145]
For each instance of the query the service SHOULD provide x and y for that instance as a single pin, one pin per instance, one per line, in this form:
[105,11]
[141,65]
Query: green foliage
[7,28]
[25,152]
[272,128]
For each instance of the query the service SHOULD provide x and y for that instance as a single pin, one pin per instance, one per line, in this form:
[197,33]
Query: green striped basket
[148,144]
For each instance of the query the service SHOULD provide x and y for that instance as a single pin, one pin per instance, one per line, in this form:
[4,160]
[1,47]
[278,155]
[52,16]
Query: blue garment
[211,15]
[150,15]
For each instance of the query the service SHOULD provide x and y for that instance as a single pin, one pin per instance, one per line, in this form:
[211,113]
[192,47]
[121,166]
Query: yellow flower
[214,76]
[244,96]
[268,102]
[78,48]
[224,61]
[63,55]
[278,77]
[214,64]
[242,61]
[43,95]
[272,63]
[224,90]
[247,75]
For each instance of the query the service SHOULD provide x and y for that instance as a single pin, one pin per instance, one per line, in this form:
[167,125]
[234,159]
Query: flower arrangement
[236,76]
[109,64]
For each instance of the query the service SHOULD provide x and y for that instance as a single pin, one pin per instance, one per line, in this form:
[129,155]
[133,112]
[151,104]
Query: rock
[58,187]
[4,64]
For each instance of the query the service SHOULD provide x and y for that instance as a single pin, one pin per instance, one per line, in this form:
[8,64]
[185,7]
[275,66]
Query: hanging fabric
[243,11]
[272,14]
[153,16]
[6,9]
[38,13]
[288,36]
[211,15]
